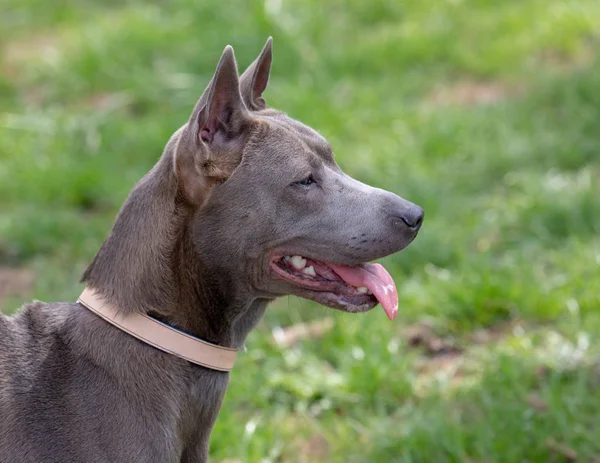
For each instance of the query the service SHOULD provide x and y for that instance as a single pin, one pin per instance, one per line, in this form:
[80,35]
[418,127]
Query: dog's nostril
[418,221]
[413,217]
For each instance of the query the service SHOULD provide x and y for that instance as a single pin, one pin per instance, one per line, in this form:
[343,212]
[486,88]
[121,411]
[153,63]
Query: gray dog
[245,205]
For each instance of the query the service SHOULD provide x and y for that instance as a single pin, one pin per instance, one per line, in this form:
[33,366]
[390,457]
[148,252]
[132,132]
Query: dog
[245,205]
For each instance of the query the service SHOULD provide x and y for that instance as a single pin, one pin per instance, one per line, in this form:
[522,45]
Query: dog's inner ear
[254,80]
[222,112]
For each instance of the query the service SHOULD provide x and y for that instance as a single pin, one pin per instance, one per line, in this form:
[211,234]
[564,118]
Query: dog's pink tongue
[374,277]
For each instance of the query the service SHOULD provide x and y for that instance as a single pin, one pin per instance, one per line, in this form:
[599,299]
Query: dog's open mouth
[356,288]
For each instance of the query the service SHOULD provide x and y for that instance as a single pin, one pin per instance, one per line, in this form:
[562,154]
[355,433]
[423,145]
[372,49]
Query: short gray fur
[191,245]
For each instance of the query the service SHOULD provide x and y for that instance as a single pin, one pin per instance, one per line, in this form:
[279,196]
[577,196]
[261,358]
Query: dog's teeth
[310,271]
[362,289]
[298,262]
[286,258]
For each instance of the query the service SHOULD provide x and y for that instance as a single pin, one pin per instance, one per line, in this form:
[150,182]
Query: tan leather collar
[161,336]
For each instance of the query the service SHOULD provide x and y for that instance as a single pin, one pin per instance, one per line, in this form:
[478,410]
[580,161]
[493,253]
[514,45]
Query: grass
[485,113]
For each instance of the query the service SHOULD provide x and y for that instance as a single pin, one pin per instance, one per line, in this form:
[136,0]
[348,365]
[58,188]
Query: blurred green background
[486,113]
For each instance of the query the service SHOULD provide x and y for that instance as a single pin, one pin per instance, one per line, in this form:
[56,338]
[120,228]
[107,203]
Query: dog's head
[272,207]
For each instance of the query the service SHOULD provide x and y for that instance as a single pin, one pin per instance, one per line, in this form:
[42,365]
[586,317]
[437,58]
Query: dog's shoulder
[38,319]
[31,333]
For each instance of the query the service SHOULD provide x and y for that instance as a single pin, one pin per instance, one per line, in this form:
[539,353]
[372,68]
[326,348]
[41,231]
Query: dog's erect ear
[210,147]
[254,80]
[221,101]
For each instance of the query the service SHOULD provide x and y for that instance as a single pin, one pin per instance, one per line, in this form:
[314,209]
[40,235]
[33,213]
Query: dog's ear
[254,80]
[221,102]
[210,147]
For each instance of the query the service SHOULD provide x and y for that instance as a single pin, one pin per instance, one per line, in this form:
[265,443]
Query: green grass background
[486,113]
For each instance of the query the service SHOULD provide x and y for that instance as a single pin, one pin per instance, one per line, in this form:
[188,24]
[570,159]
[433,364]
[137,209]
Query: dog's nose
[412,217]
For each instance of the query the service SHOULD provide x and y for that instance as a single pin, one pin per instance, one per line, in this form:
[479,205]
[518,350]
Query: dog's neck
[148,264]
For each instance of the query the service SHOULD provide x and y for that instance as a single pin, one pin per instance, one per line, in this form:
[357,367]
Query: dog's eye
[306,181]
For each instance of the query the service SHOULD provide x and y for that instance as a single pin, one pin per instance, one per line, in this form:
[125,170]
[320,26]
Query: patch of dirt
[495,332]
[15,282]
[440,355]
[107,101]
[537,403]
[444,357]
[561,449]
[35,48]
[572,61]
[423,336]
[316,448]
[449,363]
[472,93]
